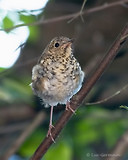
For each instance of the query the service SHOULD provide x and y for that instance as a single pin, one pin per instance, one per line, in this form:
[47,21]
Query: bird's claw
[69,108]
[49,133]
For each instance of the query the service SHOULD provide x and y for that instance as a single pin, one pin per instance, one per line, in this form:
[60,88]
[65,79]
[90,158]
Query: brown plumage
[57,75]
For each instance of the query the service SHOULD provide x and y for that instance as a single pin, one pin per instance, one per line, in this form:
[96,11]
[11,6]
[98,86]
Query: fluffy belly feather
[58,89]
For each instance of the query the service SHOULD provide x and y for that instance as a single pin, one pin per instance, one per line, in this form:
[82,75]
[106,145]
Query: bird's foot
[49,133]
[68,107]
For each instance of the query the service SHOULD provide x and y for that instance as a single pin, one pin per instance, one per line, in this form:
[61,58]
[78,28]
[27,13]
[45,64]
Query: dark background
[95,129]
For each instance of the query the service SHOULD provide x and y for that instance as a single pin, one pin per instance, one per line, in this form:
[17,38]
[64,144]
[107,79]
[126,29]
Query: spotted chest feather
[57,75]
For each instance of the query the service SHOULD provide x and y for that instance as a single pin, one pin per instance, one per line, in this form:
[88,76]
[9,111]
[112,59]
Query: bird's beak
[71,40]
[68,43]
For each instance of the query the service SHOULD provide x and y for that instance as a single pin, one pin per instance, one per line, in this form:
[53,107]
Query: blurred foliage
[32,143]
[34,30]
[87,130]
[124,107]
[2,69]
[13,91]
[9,22]
[62,149]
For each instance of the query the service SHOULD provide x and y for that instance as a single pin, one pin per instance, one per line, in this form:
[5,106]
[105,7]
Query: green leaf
[124,107]
[27,19]
[7,23]
[34,34]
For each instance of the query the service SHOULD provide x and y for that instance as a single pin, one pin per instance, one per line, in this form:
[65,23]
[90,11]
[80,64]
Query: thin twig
[110,97]
[82,8]
[65,17]
[36,122]
[80,96]
[79,13]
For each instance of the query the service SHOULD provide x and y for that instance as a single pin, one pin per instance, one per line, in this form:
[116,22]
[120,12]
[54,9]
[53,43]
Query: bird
[57,76]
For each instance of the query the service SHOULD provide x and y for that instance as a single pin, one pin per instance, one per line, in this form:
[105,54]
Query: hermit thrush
[57,76]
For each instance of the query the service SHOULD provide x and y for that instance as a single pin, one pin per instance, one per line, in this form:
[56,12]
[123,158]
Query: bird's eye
[57,45]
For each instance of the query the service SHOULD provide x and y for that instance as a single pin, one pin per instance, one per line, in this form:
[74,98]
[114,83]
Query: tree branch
[80,96]
[65,17]
[110,97]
